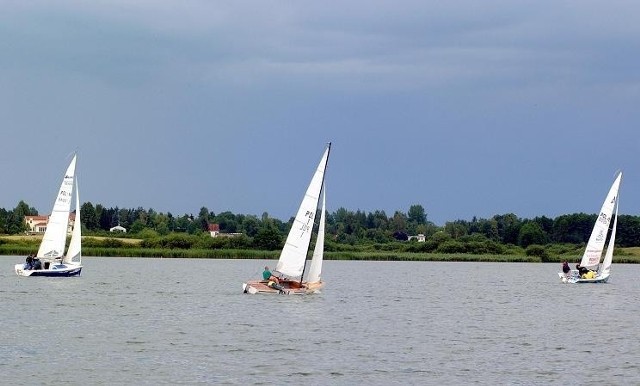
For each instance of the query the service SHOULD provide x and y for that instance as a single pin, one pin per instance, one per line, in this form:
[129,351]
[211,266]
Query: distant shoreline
[20,250]
[22,245]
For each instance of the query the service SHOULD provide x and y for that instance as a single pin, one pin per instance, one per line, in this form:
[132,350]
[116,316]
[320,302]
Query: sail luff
[294,253]
[54,239]
[315,269]
[595,245]
[74,253]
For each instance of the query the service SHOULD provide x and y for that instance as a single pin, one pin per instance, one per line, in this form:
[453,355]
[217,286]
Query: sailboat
[293,258]
[596,272]
[50,259]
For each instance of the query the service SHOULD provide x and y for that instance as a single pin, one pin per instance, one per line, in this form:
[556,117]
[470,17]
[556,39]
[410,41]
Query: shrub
[179,241]
[451,247]
[426,247]
[537,250]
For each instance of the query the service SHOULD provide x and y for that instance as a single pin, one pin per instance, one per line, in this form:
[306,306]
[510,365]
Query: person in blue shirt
[267,275]
[273,281]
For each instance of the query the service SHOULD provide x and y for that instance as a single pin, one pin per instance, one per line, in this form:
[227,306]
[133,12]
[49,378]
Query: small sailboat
[50,259]
[293,258]
[593,271]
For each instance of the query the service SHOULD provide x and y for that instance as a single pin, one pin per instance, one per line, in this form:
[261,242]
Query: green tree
[378,220]
[250,226]
[573,228]
[23,209]
[137,227]
[3,220]
[489,228]
[628,231]
[15,218]
[531,233]
[161,223]
[508,228]
[398,222]
[182,223]
[417,214]
[268,238]
[456,228]
[88,216]
[227,222]
[203,218]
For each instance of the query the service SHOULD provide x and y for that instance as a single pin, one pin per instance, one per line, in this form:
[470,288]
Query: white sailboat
[594,272]
[292,262]
[50,259]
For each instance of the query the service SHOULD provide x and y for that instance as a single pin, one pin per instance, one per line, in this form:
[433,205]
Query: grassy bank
[99,246]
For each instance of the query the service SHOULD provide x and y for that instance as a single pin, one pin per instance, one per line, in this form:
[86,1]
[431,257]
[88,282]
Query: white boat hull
[573,278]
[54,270]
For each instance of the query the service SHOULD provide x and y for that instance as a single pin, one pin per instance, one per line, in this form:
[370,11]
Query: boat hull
[288,288]
[56,270]
[572,278]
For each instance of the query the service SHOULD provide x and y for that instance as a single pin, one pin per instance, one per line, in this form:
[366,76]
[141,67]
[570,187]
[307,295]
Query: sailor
[36,263]
[565,267]
[581,270]
[268,276]
[29,263]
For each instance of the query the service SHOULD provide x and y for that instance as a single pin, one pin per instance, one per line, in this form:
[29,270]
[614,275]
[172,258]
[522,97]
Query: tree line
[346,227]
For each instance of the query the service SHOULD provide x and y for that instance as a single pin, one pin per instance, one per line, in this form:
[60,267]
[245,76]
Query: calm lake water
[169,321]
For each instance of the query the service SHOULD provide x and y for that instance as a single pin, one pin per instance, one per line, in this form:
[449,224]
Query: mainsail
[595,246]
[55,236]
[294,253]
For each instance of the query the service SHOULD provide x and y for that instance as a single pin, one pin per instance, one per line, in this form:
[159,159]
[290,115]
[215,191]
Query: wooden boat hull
[56,270]
[288,288]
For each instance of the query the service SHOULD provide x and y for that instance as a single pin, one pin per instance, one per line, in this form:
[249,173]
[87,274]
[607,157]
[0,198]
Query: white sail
[316,261]
[74,253]
[294,253]
[55,236]
[595,246]
[608,256]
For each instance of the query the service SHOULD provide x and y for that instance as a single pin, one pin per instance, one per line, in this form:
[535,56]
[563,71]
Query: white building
[118,228]
[420,237]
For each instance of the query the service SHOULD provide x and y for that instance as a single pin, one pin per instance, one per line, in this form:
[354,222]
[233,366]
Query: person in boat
[36,263]
[585,273]
[268,276]
[565,267]
[28,263]
[581,270]
[272,280]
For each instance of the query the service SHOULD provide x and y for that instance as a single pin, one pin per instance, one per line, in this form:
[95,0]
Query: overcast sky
[469,108]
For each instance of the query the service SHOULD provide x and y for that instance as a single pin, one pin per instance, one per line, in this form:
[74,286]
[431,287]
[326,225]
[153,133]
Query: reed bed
[112,248]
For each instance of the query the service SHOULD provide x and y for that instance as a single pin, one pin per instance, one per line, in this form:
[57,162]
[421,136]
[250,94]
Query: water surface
[176,321]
